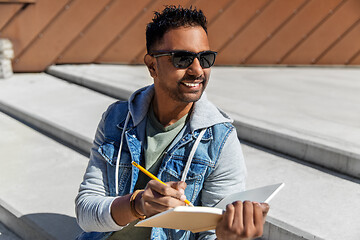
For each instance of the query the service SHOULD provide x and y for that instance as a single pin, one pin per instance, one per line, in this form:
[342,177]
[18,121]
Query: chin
[189,98]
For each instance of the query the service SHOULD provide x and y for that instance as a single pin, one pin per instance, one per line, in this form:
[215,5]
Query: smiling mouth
[191,84]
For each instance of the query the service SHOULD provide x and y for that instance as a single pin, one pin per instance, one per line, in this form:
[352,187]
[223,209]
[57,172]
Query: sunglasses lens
[207,59]
[183,59]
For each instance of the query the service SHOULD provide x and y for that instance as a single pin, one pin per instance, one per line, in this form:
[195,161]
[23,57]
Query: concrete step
[52,106]
[6,234]
[311,114]
[308,207]
[39,180]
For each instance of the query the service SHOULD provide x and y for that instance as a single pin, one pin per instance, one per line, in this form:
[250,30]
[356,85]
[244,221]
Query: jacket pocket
[173,171]
[109,150]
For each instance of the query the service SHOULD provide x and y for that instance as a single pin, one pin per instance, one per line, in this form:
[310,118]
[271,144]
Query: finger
[151,194]
[224,226]
[228,216]
[154,202]
[258,218]
[181,185]
[164,190]
[248,215]
[265,208]
[238,222]
[153,207]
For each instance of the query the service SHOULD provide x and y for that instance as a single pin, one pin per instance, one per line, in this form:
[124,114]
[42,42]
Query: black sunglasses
[183,59]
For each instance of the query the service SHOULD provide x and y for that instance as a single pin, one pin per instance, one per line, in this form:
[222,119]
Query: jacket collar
[205,114]
[139,103]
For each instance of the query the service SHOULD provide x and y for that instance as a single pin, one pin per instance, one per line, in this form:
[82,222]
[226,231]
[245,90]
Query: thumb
[265,208]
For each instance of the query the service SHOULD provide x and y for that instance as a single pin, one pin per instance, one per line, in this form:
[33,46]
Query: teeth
[191,84]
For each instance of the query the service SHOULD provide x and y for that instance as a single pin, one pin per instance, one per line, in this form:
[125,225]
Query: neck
[170,112]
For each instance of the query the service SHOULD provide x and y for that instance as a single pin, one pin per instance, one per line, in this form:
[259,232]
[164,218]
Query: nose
[195,68]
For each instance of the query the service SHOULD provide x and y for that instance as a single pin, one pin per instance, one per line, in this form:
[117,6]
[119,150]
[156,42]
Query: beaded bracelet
[132,205]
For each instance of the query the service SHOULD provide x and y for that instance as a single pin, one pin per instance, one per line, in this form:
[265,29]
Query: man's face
[181,85]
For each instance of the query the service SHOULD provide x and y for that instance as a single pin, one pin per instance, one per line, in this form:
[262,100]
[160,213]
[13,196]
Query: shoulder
[221,131]
[222,134]
[112,119]
[116,112]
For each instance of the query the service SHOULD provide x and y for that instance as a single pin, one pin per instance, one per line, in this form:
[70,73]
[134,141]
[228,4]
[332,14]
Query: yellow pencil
[155,178]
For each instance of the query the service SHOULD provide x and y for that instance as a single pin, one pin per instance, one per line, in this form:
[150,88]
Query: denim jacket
[217,168]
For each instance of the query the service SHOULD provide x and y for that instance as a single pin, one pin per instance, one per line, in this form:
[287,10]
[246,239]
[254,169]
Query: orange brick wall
[244,32]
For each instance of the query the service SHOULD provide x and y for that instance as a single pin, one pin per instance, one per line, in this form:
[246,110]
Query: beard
[185,94]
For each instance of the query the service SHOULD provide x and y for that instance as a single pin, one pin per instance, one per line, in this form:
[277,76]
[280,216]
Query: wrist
[135,200]
[138,204]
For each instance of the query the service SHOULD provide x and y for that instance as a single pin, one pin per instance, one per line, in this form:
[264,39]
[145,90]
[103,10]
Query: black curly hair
[172,17]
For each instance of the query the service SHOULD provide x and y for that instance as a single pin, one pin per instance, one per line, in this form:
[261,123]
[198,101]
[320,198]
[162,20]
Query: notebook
[198,219]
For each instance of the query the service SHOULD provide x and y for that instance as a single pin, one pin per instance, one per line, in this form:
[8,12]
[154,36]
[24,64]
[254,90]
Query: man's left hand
[242,220]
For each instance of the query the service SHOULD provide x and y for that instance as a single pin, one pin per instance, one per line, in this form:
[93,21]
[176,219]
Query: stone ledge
[328,153]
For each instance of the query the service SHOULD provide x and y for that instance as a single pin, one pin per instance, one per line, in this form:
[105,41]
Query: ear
[150,62]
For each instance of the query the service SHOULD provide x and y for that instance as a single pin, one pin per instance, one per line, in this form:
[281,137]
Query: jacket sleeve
[228,176]
[93,201]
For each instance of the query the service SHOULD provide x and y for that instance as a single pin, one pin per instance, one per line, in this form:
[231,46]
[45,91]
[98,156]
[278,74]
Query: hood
[204,114]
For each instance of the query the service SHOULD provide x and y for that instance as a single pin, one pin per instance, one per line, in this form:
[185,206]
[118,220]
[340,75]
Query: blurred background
[257,32]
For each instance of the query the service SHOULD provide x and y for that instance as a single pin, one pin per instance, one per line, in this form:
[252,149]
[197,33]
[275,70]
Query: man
[172,130]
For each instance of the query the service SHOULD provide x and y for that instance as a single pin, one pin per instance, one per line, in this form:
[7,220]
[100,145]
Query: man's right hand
[157,197]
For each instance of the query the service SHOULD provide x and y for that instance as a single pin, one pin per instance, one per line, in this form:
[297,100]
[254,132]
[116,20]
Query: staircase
[299,126]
